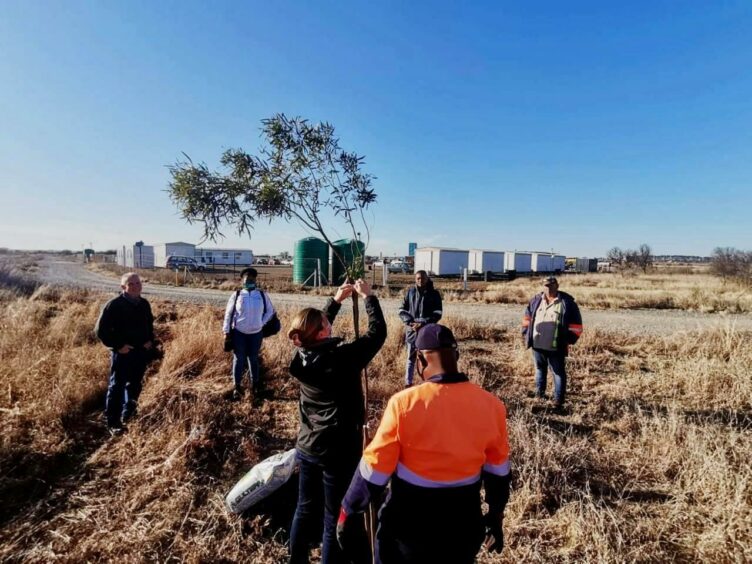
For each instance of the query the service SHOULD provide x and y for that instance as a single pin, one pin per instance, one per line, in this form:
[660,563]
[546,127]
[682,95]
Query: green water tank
[349,250]
[308,254]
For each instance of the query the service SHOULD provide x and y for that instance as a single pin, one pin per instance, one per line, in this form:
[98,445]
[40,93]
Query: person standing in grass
[126,326]
[437,443]
[331,410]
[247,311]
[421,305]
[551,323]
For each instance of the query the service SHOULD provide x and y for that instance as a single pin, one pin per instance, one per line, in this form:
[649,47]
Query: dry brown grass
[653,461]
[678,288]
[690,292]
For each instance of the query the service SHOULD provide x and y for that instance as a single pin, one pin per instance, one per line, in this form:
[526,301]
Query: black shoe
[129,415]
[258,389]
[557,406]
[116,430]
[237,393]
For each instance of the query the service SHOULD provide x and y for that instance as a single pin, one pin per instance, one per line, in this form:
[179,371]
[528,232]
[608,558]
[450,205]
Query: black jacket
[123,322]
[420,306]
[331,400]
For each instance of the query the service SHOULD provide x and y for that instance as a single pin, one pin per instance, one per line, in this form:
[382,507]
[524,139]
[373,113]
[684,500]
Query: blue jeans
[245,352]
[411,358]
[557,361]
[126,379]
[321,487]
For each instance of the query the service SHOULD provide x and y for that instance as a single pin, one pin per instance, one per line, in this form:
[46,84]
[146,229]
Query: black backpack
[273,326]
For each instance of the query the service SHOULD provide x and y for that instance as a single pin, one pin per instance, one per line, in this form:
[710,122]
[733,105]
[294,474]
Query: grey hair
[125,277]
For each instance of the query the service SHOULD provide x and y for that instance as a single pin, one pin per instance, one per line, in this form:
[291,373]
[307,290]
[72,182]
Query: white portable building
[165,250]
[542,262]
[133,256]
[234,257]
[519,262]
[480,261]
[439,261]
[559,263]
[139,257]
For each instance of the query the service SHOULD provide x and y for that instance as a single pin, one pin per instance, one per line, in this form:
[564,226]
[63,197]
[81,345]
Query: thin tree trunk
[370,515]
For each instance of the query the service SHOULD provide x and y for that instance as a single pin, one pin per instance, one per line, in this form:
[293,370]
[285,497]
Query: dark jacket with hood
[568,326]
[331,400]
[125,321]
[422,306]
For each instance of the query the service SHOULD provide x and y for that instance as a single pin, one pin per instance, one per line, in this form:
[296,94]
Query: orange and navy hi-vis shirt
[439,435]
[443,434]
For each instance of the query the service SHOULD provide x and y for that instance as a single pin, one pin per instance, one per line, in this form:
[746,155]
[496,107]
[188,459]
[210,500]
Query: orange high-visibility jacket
[439,435]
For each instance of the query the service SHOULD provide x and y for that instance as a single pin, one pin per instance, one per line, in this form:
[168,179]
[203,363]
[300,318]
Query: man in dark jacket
[422,305]
[126,326]
[552,322]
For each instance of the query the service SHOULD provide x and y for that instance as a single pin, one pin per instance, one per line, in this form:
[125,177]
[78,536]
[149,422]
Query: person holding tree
[332,412]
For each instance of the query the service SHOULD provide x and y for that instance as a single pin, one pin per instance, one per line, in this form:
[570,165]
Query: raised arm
[362,350]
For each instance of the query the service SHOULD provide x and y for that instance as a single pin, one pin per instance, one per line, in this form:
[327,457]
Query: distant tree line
[623,260]
[732,264]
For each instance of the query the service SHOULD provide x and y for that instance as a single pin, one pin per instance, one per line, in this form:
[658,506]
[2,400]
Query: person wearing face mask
[247,311]
[437,444]
[331,411]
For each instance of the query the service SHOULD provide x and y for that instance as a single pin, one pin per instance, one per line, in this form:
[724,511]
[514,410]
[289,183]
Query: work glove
[344,531]
[494,541]
[351,537]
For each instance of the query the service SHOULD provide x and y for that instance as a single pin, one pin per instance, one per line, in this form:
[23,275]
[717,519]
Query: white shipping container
[440,262]
[130,256]
[519,262]
[559,264]
[480,262]
[139,257]
[542,262]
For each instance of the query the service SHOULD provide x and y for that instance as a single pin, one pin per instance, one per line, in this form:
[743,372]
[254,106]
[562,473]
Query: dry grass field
[652,461]
[681,289]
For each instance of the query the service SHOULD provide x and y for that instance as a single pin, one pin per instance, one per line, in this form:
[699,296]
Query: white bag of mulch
[261,481]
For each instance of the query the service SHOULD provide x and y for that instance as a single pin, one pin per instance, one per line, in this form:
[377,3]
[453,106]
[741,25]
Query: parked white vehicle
[398,266]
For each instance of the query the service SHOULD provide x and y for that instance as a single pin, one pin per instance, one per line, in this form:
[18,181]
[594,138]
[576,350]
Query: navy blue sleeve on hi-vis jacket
[573,321]
[497,493]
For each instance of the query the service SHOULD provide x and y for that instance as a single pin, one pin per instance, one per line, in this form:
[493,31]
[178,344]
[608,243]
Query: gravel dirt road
[650,322]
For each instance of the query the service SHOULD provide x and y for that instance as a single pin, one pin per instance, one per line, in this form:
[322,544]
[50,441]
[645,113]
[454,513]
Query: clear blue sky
[575,126]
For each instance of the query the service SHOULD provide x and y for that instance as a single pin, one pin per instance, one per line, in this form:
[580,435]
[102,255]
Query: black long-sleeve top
[331,399]
[125,321]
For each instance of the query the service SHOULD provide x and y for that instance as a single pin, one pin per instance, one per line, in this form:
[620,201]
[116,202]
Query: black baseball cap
[548,280]
[434,336]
